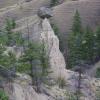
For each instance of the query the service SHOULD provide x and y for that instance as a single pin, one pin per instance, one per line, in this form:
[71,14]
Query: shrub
[53,3]
[61,82]
[98,73]
[75,41]
[3,96]
[55,28]
[70,96]
[98,94]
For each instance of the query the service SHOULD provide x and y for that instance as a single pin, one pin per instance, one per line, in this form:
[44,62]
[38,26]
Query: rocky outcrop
[21,89]
[56,58]
[45,12]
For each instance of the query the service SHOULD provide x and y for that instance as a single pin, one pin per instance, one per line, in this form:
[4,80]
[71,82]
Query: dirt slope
[22,10]
[89,11]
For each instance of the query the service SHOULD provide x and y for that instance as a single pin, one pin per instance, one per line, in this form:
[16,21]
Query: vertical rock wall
[56,58]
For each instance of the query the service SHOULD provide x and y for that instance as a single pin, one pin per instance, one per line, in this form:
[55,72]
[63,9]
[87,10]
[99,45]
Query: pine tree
[88,45]
[7,59]
[75,41]
[3,37]
[53,2]
[45,63]
[77,27]
[82,44]
[10,24]
[31,58]
[31,53]
[97,43]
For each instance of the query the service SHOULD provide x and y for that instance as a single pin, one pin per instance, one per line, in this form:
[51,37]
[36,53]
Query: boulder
[45,12]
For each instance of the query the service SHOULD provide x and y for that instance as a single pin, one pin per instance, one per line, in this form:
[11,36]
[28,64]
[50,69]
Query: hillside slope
[21,10]
[88,9]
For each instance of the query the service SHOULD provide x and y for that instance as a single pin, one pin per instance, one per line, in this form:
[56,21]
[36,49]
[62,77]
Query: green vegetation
[70,96]
[44,62]
[61,82]
[32,52]
[10,24]
[54,3]
[33,59]
[83,44]
[77,27]
[97,42]
[3,96]
[98,73]
[88,45]
[97,93]
[75,41]
[56,30]
[8,59]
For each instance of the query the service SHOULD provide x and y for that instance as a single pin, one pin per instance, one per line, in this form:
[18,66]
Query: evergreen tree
[3,37]
[88,45]
[83,45]
[10,24]
[77,27]
[34,61]
[97,43]
[53,2]
[45,63]
[75,41]
[7,59]
[32,54]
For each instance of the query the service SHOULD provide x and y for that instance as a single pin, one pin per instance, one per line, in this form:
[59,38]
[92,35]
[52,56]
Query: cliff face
[56,58]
